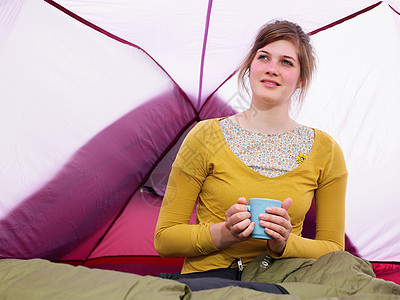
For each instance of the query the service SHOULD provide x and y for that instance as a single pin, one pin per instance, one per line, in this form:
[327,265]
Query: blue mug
[256,207]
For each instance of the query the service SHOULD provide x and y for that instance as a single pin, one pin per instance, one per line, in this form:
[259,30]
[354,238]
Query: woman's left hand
[277,224]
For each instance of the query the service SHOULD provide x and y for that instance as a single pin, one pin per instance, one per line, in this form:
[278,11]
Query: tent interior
[97,96]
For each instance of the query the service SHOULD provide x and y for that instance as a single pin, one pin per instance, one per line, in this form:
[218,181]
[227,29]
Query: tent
[96,97]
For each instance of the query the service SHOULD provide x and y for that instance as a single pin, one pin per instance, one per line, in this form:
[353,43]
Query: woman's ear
[299,84]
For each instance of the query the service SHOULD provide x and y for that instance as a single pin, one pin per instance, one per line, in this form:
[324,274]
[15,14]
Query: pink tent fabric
[97,96]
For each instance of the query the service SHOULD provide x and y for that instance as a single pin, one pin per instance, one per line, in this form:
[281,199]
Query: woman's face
[275,74]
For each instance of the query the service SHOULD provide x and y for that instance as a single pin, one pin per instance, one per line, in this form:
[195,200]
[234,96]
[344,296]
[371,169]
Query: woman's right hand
[236,228]
[237,220]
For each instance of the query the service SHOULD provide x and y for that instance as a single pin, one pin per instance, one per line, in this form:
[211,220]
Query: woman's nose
[271,68]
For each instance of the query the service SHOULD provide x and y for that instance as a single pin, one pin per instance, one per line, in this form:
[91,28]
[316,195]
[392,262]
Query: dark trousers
[219,278]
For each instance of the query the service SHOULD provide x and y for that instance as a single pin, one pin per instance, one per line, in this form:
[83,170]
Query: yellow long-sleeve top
[206,169]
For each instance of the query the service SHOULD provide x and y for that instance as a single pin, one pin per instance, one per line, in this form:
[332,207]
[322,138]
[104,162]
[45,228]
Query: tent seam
[121,40]
[203,53]
[397,12]
[351,16]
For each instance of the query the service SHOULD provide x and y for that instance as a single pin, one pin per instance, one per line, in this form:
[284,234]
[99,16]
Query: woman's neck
[268,121]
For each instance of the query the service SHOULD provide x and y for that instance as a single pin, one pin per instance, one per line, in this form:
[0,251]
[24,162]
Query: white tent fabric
[49,117]
[173,31]
[62,82]
[355,98]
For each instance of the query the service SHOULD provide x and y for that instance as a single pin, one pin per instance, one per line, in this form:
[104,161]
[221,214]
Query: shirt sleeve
[174,236]
[329,210]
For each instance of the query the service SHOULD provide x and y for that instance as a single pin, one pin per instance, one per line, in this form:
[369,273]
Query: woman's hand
[237,220]
[277,224]
[236,228]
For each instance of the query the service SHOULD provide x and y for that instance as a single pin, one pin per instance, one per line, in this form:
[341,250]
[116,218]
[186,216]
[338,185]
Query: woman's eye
[287,62]
[262,57]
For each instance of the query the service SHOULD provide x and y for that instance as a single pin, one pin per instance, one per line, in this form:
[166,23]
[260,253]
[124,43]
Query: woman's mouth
[270,82]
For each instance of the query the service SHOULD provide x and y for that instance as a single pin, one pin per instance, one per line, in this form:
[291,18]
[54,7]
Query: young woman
[261,152]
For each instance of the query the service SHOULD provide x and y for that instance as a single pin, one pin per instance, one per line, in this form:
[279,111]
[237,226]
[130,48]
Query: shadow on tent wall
[68,217]
[72,212]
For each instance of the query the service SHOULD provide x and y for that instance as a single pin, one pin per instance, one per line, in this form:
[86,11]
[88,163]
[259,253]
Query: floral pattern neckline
[270,155]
